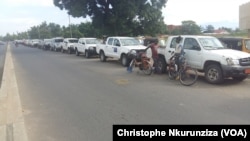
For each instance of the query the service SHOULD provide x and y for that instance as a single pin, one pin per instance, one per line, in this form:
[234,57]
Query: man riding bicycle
[179,51]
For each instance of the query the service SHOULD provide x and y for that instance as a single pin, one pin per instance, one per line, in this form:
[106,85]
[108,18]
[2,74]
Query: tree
[73,30]
[210,28]
[87,29]
[190,28]
[119,17]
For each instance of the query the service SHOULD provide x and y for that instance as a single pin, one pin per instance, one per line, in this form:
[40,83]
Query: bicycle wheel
[172,74]
[147,70]
[188,76]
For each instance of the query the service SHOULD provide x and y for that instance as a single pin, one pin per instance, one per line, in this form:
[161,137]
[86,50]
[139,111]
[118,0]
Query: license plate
[247,71]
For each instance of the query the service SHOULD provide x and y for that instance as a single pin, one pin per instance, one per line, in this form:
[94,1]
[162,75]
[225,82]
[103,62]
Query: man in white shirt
[178,51]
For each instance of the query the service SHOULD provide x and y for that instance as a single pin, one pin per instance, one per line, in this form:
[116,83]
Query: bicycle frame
[186,75]
[144,63]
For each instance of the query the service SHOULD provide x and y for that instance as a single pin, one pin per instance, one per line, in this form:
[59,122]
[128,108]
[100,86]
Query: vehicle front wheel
[102,56]
[87,55]
[161,65]
[76,52]
[69,51]
[124,60]
[213,74]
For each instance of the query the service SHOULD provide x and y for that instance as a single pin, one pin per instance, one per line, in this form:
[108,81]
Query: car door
[116,48]
[192,51]
[80,45]
[109,47]
[170,49]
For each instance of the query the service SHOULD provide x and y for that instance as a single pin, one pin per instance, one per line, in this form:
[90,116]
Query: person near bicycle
[153,52]
[179,52]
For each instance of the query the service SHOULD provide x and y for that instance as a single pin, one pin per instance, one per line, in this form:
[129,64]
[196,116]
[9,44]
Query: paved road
[2,59]
[65,97]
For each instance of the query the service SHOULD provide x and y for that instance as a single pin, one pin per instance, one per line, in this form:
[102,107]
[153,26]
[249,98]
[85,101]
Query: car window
[173,43]
[110,41]
[116,42]
[247,42]
[191,44]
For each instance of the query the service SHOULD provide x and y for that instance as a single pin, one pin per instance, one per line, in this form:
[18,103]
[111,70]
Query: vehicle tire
[161,65]
[188,76]
[124,60]
[87,55]
[62,50]
[102,56]
[76,52]
[213,74]
[69,50]
[240,78]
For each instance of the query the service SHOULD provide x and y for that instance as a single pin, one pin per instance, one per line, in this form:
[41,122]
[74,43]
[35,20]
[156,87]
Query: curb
[12,126]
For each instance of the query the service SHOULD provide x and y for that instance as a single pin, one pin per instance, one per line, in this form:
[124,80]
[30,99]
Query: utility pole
[70,27]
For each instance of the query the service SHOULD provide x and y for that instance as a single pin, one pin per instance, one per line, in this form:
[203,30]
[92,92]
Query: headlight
[231,61]
[133,52]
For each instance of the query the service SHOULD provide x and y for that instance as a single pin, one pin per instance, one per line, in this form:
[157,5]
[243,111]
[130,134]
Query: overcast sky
[20,15]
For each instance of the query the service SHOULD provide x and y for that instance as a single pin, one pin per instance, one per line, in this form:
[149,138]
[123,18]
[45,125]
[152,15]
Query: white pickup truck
[86,46]
[208,55]
[68,45]
[118,48]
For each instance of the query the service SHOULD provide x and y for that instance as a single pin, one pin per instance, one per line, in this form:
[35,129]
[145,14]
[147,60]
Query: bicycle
[140,60]
[186,74]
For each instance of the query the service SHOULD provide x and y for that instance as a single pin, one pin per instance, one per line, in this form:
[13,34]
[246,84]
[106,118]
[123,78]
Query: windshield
[92,41]
[58,40]
[73,41]
[211,43]
[130,42]
[247,42]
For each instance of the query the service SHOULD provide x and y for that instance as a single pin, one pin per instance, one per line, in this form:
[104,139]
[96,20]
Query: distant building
[221,31]
[173,27]
[216,32]
[244,17]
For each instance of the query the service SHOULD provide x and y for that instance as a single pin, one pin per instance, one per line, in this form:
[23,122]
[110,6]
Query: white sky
[20,15]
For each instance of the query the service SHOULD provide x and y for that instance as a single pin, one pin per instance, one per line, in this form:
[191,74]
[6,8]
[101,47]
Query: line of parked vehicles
[207,54]
[85,46]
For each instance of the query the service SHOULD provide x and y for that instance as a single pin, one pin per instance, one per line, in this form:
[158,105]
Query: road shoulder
[12,126]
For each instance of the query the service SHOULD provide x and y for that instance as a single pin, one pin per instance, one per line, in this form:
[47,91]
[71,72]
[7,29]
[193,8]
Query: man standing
[154,53]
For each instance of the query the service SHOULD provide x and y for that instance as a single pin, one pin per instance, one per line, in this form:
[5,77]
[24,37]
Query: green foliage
[190,28]
[119,17]
[210,28]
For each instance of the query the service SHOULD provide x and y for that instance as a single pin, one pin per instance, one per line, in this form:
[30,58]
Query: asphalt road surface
[2,60]
[70,98]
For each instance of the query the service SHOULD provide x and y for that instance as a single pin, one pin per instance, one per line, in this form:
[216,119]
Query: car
[118,47]
[2,43]
[47,43]
[209,56]
[68,45]
[56,43]
[86,46]
[236,43]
